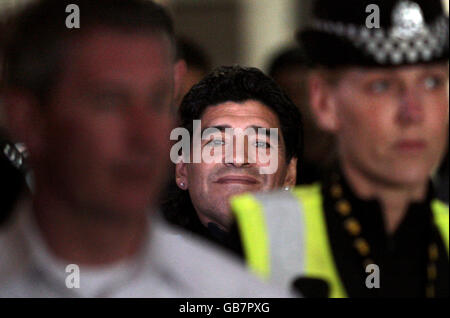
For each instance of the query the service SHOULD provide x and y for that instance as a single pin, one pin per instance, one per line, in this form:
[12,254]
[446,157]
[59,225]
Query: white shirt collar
[94,281]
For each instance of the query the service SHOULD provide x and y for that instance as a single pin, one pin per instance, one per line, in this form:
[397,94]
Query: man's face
[211,185]
[106,131]
[392,125]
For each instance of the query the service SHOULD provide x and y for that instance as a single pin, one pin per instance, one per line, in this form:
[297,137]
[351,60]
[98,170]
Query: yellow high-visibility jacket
[284,235]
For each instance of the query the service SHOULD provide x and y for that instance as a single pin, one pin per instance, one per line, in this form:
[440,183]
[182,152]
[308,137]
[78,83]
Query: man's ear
[181,177]
[323,103]
[24,120]
[291,174]
[180,71]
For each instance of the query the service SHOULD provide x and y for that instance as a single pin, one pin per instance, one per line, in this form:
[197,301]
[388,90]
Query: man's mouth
[237,179]
[410,145]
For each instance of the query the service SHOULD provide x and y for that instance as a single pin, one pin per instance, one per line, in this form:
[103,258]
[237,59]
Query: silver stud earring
[182,184]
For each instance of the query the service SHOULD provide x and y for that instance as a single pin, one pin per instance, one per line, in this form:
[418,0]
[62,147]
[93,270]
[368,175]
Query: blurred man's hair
[39,38]
[286,60]
[193,54]
[238,84]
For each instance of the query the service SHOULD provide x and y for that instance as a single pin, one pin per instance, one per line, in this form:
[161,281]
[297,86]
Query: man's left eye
[262,144]
[216,142]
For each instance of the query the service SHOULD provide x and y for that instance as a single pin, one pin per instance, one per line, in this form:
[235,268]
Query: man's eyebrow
[221,128]
[106,87]
[256,128]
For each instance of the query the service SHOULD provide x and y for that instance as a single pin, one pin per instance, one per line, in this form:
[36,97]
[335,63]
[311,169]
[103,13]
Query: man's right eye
[108,103]
[216,142]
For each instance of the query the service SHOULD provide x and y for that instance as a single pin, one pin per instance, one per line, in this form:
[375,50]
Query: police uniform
[325,232]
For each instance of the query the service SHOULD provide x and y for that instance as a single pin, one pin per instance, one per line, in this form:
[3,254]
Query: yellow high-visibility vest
[284,236]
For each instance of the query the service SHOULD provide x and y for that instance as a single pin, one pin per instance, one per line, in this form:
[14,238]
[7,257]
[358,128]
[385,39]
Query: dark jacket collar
[369,211]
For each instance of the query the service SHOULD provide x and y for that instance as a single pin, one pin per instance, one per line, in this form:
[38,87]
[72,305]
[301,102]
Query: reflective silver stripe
[285,228]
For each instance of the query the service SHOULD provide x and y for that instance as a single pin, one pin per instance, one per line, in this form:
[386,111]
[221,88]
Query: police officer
[372,227]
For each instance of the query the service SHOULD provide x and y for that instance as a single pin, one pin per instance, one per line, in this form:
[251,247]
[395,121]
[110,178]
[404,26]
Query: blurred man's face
[318,144]
[211,185]
[392,124]
[293,80]
[106,129]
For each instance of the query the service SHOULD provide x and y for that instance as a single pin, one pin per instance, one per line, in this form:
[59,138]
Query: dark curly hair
[231,84]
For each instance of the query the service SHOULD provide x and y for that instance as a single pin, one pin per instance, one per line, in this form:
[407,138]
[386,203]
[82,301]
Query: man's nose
[240,155]
[411,107]
[141,126]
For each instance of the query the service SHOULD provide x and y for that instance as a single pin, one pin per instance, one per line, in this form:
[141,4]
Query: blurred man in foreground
[373,227]
[93,106]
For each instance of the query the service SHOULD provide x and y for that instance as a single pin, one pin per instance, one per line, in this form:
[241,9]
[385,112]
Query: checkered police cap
[376,33]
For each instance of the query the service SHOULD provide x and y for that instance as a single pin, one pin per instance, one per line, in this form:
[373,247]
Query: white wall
[266,25]
[9,4]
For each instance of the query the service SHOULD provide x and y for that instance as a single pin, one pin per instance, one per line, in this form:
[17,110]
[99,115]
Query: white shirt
[169,265]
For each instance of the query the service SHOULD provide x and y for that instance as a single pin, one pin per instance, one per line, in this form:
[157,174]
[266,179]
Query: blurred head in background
[289,68]
[197,65]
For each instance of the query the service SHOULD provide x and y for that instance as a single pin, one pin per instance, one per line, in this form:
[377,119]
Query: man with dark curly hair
[229,99]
